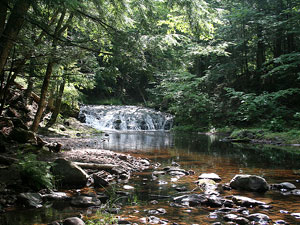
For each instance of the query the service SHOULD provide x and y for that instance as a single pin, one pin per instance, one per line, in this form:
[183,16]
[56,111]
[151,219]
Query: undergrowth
[35,173]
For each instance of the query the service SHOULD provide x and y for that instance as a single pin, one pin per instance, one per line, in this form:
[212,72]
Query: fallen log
[95,166]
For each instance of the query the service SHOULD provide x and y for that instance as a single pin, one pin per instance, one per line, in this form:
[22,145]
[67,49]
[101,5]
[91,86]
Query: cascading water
[125,118]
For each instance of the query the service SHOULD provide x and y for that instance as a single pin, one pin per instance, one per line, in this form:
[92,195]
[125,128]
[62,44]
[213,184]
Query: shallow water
[197,152]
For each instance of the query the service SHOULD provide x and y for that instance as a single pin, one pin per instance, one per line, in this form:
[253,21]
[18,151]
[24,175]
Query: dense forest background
[211,63]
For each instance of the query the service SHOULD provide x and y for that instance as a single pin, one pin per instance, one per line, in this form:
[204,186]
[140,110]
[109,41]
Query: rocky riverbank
[53,164]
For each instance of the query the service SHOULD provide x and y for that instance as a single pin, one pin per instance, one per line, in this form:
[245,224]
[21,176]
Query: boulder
[73,221]
[23,136]
[82,117]
[211,176]
[208,186]
[85,201]
[33,200]
[249,183]
[69,174]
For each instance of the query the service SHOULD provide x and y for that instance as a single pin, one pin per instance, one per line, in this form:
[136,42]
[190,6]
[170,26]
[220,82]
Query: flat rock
[56,196]
[284,185]
[245,201]
[211,176]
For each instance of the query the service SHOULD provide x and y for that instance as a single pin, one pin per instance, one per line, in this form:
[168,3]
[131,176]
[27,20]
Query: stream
[198,152]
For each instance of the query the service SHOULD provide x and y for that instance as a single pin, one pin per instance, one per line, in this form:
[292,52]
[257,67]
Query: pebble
[128,187]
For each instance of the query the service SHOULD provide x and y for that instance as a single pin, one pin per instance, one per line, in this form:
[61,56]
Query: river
[198,152]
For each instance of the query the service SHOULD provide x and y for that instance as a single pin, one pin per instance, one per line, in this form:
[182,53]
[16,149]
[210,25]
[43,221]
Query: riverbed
[199,153]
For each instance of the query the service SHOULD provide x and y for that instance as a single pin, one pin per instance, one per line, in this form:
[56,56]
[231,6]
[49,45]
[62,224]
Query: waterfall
[125,118]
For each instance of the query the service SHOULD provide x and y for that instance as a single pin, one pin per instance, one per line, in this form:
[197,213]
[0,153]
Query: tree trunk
[260,51]
[3,14]
[279,32]
[11,31]
[42,102]
[57,104]
[29,89]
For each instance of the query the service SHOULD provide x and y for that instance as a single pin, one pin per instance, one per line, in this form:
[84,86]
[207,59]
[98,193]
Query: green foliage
[210,63]
[285,65]
[251,107]
[180,92]
[102,218]
[277,124]
[35,173]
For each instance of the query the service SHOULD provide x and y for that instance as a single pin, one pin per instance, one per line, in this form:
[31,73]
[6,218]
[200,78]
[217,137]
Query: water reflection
[129,141]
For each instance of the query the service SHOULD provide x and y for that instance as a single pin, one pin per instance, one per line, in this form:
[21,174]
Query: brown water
[197,152]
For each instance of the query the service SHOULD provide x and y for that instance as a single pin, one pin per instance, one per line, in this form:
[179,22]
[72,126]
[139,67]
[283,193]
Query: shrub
[36,174]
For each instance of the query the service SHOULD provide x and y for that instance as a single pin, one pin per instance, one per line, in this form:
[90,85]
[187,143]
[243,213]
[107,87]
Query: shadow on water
[198,152]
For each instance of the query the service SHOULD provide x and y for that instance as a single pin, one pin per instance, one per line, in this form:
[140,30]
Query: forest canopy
[211,63]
